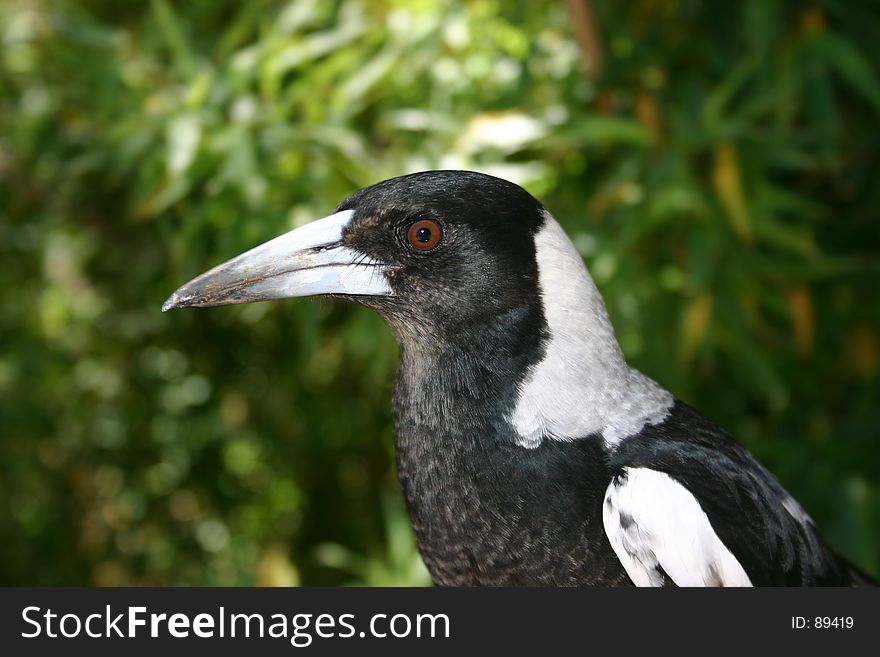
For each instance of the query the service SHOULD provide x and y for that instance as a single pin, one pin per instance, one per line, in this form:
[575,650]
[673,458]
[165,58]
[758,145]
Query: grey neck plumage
[583,385]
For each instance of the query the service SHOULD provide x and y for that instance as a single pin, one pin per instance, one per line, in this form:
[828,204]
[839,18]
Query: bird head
[435,253]
[486,294]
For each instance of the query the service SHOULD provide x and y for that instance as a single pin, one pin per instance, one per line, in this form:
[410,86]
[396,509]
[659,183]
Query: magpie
[528,450]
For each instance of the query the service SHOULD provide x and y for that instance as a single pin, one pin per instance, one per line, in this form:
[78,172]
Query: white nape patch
[796,511]
[583,385]
[652,522]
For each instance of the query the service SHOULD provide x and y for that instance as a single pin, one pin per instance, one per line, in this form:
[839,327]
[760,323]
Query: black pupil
[423,234]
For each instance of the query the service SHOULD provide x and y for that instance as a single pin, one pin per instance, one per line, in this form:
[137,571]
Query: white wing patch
[656,526]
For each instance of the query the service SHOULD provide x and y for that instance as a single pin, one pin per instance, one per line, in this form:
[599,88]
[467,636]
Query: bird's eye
[424,234]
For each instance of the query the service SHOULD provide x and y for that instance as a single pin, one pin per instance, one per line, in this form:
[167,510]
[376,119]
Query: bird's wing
[660,533]
[699,498]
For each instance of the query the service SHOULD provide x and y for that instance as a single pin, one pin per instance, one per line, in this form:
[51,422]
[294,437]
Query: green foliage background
[717,166]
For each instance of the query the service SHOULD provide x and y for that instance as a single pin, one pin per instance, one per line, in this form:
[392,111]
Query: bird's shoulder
[686,487]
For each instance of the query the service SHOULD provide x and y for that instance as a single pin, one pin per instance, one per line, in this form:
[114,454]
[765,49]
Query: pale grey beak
[306,261]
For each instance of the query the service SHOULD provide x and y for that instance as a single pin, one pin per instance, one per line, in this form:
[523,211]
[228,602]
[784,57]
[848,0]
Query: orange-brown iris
[424,234]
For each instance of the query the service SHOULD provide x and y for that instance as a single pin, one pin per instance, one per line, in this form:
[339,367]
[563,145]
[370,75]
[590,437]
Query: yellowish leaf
[800,304]
[727,181]
[695,324]
[866,351]
[276,569]
[648,113]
